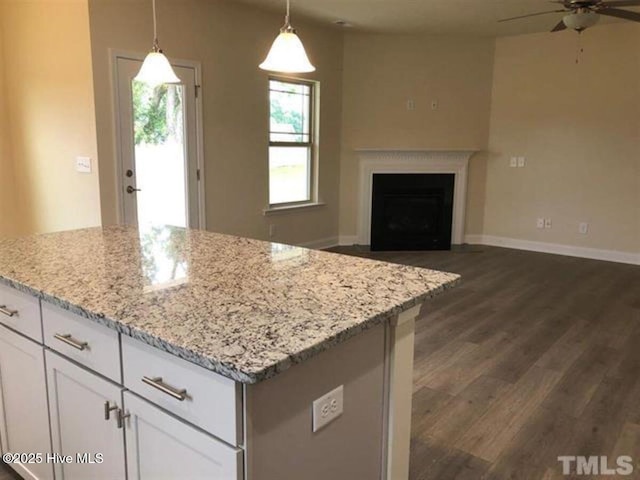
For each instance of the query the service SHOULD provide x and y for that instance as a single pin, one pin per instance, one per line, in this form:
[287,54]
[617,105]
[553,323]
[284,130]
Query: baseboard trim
[346,240]
[321,243]
[555,248]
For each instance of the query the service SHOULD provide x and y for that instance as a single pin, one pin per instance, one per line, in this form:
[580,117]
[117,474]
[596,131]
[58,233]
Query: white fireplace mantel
[412,161]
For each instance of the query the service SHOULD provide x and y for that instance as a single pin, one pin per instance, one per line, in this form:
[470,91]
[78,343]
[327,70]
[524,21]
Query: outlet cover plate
[83,164]
[327,408]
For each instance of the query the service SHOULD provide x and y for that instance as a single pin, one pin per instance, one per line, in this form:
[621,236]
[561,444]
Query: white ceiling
[458,17]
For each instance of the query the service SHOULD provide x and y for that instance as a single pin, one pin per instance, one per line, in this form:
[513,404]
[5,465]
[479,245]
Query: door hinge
[198,174]
[197,89]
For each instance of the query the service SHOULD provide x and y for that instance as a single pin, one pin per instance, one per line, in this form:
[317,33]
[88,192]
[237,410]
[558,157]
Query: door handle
[69,340]
[156,382]
[108,409]
[130,189]
[121,417]
[8,312]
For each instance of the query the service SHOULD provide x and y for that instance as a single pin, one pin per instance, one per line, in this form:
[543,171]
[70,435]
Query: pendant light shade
[156,69]
[287,54]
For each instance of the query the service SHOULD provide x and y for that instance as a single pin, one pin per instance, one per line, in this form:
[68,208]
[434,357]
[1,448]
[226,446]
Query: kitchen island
[204,355]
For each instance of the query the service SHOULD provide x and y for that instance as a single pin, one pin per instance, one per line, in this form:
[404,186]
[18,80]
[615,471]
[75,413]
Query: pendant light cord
[155,28]
[287,20]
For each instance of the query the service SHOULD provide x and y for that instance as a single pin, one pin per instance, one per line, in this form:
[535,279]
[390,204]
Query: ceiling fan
[582,14]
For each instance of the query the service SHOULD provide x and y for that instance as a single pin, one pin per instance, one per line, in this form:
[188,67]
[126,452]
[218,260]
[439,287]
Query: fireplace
[376,161]
[412,211]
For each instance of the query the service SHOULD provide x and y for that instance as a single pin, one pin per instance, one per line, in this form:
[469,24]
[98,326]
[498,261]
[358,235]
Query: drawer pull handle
[69,340]
[7,311]
[156,382]
[121,417]
[108,409]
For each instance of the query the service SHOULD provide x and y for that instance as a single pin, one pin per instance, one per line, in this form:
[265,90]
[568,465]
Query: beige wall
[381,72]
[8,204]
[229,40]
[49,107]
[578,125]
[279,416]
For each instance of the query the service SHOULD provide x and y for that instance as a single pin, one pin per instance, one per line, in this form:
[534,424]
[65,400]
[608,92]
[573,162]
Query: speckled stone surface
[243,308]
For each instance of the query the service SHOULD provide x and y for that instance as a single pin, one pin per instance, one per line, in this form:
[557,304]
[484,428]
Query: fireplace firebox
[412,211]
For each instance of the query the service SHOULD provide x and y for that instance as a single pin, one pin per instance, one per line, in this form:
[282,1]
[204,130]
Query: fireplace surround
[377,161]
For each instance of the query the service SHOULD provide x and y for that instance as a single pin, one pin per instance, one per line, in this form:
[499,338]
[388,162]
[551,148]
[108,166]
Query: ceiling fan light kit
[581,20]
[582,14]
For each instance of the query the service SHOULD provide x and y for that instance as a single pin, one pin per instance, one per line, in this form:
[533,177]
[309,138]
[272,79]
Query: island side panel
[280,444]
[400,393]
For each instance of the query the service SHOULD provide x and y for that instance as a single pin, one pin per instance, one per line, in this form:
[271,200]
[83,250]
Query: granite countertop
[244,308]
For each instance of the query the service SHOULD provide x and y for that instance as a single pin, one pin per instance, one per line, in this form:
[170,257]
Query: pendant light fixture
[156,69]
[287,54]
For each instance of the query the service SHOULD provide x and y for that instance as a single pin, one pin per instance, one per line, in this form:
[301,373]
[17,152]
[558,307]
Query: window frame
[311,145]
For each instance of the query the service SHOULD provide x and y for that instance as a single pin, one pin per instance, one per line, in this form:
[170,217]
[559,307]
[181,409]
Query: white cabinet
[20,312]
[24,420]
[159,446]
[90,344]
[84,420]
[201,397]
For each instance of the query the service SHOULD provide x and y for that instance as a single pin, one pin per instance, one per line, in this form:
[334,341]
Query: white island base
[184,421]
[370,440]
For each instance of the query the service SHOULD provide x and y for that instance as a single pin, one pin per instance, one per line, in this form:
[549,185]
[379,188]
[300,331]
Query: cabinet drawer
[204,398]
[21,312]
[88,343]
[161,446]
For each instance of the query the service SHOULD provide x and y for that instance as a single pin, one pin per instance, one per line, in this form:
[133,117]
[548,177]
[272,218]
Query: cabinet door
[80,425]
[159,446]
[24,420]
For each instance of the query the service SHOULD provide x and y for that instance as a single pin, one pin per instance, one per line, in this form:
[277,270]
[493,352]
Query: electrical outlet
[540,223]
[583,228]
[327,408]
[521,162]
[513,162]
[272,231]
[411,104]
[547,223]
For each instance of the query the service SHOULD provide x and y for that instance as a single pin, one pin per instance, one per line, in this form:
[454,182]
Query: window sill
[292,208]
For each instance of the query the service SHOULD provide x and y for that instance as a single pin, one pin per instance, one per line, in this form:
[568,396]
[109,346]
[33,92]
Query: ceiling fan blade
[624,14]
[622,3]
[559,26]
[531,15]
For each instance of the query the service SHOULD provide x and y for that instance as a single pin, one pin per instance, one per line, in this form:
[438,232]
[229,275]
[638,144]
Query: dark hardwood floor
[532,357]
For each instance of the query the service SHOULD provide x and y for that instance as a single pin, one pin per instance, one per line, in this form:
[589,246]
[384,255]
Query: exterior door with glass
[159,175]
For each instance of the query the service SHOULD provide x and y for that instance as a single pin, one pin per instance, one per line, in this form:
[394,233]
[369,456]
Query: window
[291,142]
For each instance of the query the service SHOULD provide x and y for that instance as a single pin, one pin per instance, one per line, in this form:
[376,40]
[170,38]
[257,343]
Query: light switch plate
[521,162]
[83,164]
[327,408]
[513,162]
